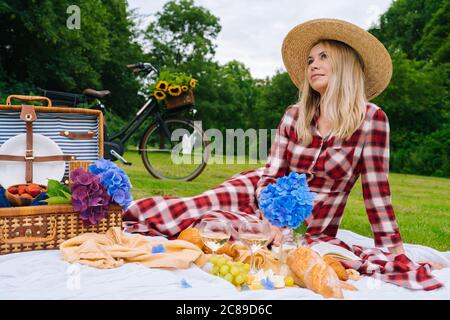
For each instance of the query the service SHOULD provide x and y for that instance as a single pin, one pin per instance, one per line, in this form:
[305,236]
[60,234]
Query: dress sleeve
[276,164]
[375,184]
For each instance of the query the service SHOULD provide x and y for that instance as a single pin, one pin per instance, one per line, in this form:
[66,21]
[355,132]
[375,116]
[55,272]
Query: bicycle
[171,148]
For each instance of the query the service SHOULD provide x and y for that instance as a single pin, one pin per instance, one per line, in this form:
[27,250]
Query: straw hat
[299,41]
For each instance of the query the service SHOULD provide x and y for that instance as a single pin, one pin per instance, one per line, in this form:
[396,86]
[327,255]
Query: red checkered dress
[332,167]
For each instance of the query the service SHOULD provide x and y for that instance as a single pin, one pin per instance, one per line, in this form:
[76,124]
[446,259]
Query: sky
[253,30]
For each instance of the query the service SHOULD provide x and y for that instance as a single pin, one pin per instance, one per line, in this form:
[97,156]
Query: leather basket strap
[4,157]
[29,153]
[78,135]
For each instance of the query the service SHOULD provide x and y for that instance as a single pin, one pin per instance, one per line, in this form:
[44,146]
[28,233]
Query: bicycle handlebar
[144,67]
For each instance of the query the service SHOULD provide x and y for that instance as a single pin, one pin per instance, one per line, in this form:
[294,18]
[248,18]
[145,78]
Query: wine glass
[214,233]
[255,235]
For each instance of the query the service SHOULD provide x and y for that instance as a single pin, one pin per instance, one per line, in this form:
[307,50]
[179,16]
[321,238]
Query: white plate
[13,172]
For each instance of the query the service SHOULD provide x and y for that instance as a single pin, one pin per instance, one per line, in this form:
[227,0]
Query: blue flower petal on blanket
[267,284]
[158,249]
[184,284]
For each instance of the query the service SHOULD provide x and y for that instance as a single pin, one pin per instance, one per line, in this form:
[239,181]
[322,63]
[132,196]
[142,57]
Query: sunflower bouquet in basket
[175,88]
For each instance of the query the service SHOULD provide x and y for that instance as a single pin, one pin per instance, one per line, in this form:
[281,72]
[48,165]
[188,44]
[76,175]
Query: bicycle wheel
[182,157]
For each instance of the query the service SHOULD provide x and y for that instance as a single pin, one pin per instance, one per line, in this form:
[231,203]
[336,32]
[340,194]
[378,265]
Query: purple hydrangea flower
[288,202]
[89,197]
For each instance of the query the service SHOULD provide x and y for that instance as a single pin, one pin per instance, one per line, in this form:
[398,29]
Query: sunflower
[159,95]
[175,90]
[192,83]
[184,88]
[162,85]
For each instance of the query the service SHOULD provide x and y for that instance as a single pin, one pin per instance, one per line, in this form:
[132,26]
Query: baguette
[310,271]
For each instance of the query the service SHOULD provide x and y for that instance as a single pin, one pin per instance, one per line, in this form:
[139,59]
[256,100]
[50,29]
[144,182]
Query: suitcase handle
[28,98]
[28,238]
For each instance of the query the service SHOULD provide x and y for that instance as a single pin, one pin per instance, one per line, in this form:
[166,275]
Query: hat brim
[299,41]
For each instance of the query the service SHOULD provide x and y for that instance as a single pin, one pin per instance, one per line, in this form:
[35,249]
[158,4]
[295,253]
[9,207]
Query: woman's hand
[275,236]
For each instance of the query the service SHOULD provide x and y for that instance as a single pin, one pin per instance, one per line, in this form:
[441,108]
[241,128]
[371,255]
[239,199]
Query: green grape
[239,264]
[221,261]
[213,259]
[240,279]
[229,277]
[234,270]
[224,270]
[215,269]
[246,267]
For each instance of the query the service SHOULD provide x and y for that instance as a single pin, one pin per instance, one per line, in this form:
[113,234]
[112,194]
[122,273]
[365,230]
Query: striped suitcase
[77,132]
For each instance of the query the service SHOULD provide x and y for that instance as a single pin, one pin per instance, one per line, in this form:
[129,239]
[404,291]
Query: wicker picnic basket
[183,100]
[47,226]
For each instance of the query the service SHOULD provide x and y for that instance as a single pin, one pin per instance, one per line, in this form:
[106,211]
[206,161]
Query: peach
[13,190]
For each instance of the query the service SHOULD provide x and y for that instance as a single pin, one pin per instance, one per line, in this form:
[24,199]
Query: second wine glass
[255,235]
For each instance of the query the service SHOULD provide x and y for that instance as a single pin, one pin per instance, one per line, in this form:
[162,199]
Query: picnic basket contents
[307,269]
[24,194]
[40,149]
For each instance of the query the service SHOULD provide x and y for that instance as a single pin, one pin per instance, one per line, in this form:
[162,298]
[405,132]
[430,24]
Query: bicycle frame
[151,106]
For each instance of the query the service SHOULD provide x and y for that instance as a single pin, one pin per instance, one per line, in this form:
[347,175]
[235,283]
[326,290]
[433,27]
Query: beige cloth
[113,249]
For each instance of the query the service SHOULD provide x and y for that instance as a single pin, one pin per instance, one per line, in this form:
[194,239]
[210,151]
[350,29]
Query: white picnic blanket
[44,275]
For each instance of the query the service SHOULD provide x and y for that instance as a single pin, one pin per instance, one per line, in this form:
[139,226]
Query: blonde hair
[344,101]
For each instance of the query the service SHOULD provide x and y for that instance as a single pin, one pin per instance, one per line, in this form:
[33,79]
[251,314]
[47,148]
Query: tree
[37,48]
[435,42]
[275,95]
[403,24]
[182,36]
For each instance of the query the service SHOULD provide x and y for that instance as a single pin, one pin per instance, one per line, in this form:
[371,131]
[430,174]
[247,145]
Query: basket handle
[29,239]
[28,98]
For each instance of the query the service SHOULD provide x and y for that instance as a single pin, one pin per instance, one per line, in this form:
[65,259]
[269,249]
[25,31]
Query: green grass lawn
[421,204]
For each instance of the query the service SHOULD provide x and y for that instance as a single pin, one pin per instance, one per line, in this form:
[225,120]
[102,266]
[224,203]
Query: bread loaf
[310,271]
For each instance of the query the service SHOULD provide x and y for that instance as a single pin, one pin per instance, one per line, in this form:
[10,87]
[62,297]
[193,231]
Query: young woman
[333,135]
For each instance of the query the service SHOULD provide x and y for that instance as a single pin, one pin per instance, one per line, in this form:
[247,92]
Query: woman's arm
[375,184]
[376,191]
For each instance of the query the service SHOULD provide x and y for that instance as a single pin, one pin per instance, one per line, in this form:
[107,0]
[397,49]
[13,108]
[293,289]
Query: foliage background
[38,50]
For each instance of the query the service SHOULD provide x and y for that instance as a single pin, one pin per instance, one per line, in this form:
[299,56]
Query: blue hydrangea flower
[288,202]
[267,284]
[101,166]
[184,284]
[115,181]
[158,249]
